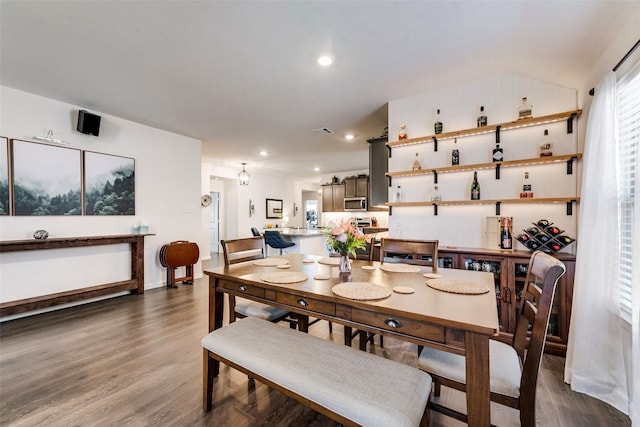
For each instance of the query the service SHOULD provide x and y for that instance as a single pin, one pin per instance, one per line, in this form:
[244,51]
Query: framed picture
[274,208]
[109,184]
[5,208]
[46,179]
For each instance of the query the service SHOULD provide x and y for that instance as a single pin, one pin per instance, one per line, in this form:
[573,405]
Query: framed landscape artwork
[46,179]
[109,184]
[274,208]
[4,176]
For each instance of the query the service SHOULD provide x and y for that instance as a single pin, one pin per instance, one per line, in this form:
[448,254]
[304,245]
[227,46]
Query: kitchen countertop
[297,232]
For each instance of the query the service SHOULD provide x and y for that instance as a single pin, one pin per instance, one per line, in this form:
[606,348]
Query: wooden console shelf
[135,284]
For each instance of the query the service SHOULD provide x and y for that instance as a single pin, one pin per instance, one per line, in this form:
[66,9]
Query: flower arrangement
[344,238]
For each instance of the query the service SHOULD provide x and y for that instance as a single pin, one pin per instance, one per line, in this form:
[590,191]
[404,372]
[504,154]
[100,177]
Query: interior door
[214,222]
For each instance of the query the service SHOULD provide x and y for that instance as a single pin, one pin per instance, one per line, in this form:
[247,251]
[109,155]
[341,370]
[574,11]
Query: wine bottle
[475,187]
[527,189]
[403,133]
[437,126]
[455,154]
[525,110]
[435,196]
[505,236]
[482,118]
[398,194]
[416,163]
[497,155]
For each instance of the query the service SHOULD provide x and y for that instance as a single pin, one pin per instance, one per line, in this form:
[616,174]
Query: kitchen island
[307,241]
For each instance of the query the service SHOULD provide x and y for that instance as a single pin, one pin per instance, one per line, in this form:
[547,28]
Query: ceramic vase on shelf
[345,264]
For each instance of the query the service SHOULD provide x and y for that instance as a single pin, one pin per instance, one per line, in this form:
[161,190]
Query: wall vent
[323,131]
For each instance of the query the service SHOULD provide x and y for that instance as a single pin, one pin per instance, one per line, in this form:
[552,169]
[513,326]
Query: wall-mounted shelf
[534,121]
[497,202]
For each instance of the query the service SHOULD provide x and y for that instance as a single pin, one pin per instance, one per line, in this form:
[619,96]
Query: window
[628,99]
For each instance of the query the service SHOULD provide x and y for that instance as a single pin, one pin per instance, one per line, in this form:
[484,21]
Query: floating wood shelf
[485,202]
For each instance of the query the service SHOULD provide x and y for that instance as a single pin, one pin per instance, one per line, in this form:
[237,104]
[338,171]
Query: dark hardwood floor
[137,361]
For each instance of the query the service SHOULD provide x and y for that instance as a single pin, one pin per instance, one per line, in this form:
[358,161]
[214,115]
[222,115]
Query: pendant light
[243,176]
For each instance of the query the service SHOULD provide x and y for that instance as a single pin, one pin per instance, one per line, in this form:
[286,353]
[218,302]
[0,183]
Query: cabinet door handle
[392,323]
[242,288]
[302,302]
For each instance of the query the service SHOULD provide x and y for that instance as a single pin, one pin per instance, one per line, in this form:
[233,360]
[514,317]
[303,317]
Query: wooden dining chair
[513,368]
[249,249]
[418,252]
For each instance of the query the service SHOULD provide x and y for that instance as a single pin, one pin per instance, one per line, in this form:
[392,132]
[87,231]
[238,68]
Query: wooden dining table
[455,323]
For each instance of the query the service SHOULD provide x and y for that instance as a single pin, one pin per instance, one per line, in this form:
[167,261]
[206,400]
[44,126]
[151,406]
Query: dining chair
[513,368]
[418,252]
[248,249]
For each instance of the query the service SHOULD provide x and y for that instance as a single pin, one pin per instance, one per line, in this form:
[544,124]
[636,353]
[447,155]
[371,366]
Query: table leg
[477,369]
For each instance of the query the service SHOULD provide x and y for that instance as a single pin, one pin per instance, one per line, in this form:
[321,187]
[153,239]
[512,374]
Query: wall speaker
[88,123]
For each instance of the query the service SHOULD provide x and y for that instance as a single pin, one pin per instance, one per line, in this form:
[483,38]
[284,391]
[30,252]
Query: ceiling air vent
[323,131]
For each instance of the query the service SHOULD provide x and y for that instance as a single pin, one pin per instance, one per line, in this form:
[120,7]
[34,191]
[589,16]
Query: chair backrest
[255,232]
[533,314]
[237,246]
[420,252]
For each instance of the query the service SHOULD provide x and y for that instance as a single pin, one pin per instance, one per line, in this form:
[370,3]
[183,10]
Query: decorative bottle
[497,154]
[436,196]
[506,240]
[525,110]
[475,187]
[416,163]
[403,133]
[455,154]
[482,118]
[545,148]
[437,126]
[527,189]
[397,195]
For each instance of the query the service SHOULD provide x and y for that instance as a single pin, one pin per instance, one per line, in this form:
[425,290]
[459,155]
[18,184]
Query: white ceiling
[242,76]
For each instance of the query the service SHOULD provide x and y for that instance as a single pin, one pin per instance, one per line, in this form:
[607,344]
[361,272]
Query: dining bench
[352,387]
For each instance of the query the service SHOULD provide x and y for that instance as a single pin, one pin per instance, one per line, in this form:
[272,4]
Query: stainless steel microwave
[355,204]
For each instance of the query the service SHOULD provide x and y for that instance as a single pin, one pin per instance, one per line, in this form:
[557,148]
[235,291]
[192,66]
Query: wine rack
[544,236]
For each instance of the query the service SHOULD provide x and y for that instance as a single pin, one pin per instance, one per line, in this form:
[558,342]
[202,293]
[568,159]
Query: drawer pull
[393,323]
[302,302]
[242,288]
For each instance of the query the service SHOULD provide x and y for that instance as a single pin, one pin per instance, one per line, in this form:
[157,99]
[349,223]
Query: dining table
[400,301]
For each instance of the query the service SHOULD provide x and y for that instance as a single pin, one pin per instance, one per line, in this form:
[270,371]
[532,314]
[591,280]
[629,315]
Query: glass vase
[345,264]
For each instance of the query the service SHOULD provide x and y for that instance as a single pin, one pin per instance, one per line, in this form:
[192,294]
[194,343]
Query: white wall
[167,172]
[459,105]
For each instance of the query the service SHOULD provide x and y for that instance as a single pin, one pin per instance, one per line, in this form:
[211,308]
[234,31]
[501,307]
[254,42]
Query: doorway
[311,209]
[214,222]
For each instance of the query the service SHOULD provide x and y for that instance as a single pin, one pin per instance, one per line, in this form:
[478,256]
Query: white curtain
[600,348]
[595,362]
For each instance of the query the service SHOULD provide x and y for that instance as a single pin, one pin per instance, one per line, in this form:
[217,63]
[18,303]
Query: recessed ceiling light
[317,169]
[349,136]
[325,61]
[263,153]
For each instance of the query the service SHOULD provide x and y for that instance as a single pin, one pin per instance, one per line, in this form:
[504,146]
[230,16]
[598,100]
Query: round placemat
[321,277]
[283,266]
[432,275]
[463,287]
[404,290]
[284,277]
[361,290]
[329,261]
[270,262]
[368,267]
[308,261]
[400,268]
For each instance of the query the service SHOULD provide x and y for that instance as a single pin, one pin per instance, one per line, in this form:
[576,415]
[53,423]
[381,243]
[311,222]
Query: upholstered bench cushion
[504,367]
[367,389]
[257,309]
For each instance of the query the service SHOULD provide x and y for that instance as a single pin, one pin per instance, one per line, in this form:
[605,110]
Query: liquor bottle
[545,148]
[455,154]
[437,126]
[475,187]
[527,189]
[398,194]
[403,133]
[506,241]
[436,196]
[525,110]
[482,118]
[497,155]
[416,163]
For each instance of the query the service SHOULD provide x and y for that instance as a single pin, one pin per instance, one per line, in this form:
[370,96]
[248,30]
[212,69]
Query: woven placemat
[329,261]
[284,277]
[270,262]
[400,268]
[361,290]
[462,287]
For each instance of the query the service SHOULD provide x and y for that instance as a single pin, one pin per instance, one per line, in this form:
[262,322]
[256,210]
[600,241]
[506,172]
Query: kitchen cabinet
[510,269]
[333,198]
[356,187]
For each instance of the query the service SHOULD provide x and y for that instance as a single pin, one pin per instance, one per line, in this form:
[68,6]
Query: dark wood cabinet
[510,269]
[356,187]
[333,198]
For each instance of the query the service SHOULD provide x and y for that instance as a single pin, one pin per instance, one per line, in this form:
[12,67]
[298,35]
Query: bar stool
[276,241]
